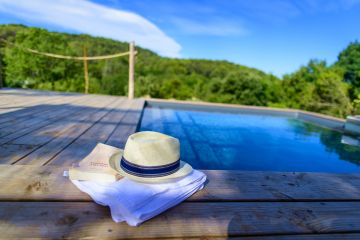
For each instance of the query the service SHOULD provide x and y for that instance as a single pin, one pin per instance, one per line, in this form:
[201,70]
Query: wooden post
[1,73]
[131,70]
[86,74]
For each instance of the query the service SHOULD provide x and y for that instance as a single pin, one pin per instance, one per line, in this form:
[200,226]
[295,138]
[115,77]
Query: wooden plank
[134,112]
[46,114]
[34,122]
[42,107]
[8,152]
[131,70]
[21,115]
[16,100]
[99,132]
[128,125]
[75,124]
[8,110]
[333,236]
[283,186]
[343,236]
[68,135]
[221,186]
[25,106]
[22,98]
[41,135]
[89,220]
[20,102]
[34,110]
[39,122]
[29,92]
[52,130]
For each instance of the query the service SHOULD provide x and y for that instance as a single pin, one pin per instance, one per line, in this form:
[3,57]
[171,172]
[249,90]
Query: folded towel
[136,202]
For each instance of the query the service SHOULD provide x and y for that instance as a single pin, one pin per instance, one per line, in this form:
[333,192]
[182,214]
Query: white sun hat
[151,157]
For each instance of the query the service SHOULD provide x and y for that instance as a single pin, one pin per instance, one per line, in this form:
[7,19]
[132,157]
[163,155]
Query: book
[95,166]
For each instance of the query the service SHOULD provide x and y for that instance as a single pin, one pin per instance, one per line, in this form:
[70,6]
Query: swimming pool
[252,141]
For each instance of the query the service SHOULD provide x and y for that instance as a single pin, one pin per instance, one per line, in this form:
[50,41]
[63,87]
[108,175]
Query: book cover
[95,166]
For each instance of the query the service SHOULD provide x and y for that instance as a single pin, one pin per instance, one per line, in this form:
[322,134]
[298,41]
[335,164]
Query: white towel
[136,202]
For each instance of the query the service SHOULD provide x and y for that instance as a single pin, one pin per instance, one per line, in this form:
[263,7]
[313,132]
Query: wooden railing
[132,52]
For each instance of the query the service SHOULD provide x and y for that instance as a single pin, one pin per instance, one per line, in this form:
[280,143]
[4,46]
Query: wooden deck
[42,133]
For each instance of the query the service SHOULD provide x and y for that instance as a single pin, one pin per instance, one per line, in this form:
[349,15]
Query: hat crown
[151,149]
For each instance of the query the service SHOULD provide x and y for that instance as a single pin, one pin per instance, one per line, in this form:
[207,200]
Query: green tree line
[319,87]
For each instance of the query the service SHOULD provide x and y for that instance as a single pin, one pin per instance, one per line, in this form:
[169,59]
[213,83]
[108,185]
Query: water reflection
[253,142]
[350,140]
[345,146]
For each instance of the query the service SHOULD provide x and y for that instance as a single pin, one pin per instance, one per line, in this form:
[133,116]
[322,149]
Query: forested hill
[333,90]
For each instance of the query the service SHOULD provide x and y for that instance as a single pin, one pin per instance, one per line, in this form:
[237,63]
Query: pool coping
[319,119]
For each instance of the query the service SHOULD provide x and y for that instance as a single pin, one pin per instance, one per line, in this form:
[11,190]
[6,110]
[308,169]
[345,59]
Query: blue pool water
[214,140]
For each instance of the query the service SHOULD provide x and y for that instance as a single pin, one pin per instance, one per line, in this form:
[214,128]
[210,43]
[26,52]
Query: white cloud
[87,17]
[315,6]
[279,11]
[215,27]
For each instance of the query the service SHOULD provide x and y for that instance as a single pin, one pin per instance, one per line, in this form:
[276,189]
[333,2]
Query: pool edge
[319,119]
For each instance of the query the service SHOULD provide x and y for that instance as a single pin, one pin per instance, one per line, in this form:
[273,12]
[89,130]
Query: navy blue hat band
[149,171]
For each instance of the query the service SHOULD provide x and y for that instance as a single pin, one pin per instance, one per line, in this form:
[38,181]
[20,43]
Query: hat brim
[184,170]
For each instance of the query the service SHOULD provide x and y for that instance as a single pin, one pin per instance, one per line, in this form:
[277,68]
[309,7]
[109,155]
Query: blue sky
[276,36]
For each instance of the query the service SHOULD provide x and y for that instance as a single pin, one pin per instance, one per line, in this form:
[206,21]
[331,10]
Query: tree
[314,87]
[356,105]
[349,60]
[318,88]
[244,88]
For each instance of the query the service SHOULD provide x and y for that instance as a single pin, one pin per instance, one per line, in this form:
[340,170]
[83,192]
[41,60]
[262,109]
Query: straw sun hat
[151,157]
